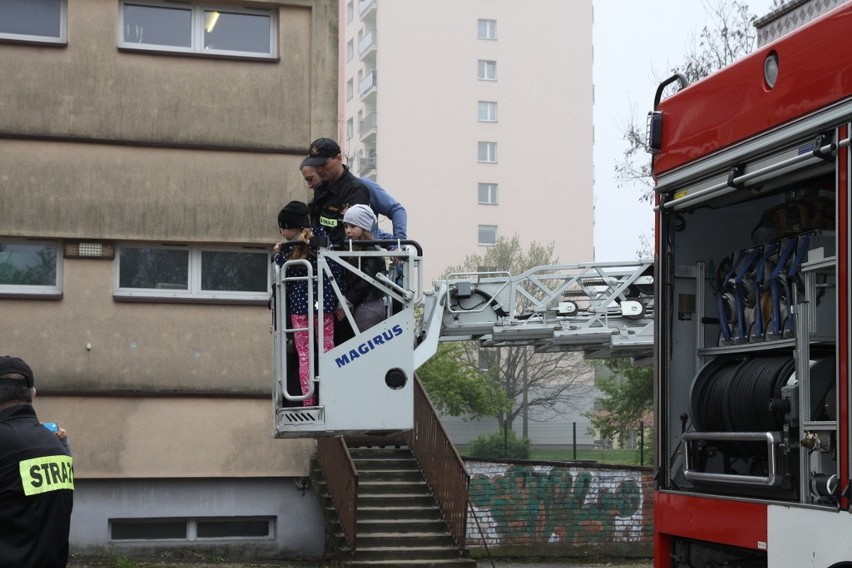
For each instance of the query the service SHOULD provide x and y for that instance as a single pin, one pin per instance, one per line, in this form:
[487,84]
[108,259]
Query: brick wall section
[556,509]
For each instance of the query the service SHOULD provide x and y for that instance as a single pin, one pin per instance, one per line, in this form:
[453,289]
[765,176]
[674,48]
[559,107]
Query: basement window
[170,529]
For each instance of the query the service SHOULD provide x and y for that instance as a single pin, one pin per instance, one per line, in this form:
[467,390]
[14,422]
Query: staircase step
[395,500]
[412,474]
[405,552]
[363,464]
[392,487]
[400,513]
[413,540]
[401,526]
[417,563]
[381,454]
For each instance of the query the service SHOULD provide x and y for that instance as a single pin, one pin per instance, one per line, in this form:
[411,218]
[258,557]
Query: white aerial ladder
[366,384]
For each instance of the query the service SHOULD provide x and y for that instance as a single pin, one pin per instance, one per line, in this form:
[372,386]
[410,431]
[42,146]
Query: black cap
[294,215]
[321,150]
[15,365]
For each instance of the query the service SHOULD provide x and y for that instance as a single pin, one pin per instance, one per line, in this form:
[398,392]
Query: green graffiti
[531,505]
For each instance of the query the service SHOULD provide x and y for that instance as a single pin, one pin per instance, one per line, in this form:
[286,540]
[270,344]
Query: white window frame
[479,235]
[193,291]
[59,39]
[350,50]
[486,152]
[490,191]
[52,290]
[197,33]
[486,70]
[350,89]
[486,111]
[486,29]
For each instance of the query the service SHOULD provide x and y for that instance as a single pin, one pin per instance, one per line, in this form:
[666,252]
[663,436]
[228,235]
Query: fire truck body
[752,325]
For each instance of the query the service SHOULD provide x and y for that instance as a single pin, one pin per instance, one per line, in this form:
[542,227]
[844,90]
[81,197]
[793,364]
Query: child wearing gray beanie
[361,216]
[365,300]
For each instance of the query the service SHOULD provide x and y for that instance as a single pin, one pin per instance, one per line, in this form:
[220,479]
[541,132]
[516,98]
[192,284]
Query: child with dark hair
[294,225]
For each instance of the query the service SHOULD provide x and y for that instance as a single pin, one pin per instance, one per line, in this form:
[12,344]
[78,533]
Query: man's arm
[384,204]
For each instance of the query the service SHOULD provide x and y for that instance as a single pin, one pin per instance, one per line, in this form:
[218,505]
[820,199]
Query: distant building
[789,16]
[477,116]
[145,150]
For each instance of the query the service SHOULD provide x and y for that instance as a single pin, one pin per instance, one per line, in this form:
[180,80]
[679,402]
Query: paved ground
[499,563]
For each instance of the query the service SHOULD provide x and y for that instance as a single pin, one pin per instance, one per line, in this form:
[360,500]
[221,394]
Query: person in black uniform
[36,478]
[339,188]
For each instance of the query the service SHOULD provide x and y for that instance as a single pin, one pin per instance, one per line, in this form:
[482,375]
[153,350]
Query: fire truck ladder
[602,309]
[365,384]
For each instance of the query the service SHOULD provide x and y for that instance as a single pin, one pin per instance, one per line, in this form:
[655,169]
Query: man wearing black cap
[338,189]
[36,478]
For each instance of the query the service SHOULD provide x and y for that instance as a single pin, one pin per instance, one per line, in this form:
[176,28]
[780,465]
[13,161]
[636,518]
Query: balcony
[367,165]
[367,10]
[368,85]
[367,45]
[367,127]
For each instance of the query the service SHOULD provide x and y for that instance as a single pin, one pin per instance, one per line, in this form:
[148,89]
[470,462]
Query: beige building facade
[145,150]
[477,117]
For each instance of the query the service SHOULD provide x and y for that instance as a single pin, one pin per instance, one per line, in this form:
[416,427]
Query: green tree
[627,396]
[729,35]
[547,382]
[457,387]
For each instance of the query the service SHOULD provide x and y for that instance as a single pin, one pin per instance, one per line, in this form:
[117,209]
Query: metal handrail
[441,465]
[342,478]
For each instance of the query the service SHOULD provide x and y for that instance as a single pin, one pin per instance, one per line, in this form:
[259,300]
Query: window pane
[486,29]
[237,32]
[232,528]
[154,25]
[487,234]
[31,17]
[487,151]
[487,70]
[162,269]
[487,111]
[27,264]
[488,193]
[147,530]
[234,271]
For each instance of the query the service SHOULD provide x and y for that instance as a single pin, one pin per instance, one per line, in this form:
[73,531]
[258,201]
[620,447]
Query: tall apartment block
[477,116]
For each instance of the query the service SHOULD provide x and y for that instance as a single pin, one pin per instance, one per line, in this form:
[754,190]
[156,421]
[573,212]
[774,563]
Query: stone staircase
[398,521]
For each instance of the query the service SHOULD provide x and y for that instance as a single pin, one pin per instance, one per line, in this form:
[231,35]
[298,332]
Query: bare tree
[546,382]
[729,35]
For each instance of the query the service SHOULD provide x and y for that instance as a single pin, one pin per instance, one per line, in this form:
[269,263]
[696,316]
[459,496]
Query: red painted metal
[734,103]
[710,520]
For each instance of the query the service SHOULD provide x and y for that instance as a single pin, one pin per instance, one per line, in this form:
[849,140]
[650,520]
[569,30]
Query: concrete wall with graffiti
[548,509]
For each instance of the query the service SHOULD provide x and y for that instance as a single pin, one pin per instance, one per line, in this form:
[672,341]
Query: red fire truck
[752,323]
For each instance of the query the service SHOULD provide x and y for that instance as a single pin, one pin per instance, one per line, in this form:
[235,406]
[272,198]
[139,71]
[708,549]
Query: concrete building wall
[294,515]
[124,147]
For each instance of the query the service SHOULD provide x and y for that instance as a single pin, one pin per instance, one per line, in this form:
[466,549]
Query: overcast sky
[636,43]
